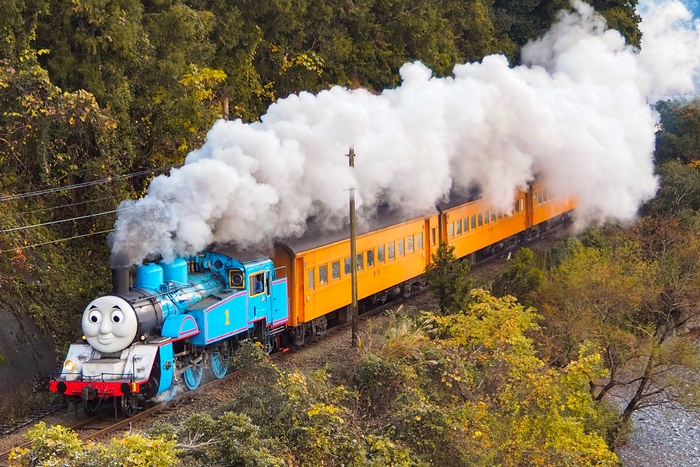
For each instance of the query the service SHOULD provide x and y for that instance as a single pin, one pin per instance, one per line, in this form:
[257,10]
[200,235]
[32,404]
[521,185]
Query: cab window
[256,284]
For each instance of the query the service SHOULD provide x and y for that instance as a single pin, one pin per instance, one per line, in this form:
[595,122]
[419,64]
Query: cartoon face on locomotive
[178,322]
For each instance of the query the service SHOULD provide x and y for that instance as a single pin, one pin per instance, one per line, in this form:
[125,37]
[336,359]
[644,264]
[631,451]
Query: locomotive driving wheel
[219,360]
[193,374]
[129,405]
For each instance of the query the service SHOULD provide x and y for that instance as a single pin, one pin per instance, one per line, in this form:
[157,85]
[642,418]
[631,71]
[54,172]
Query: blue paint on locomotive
[167,369]
[226,298]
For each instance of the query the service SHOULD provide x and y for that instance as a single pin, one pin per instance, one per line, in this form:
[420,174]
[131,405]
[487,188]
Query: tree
[635,299]
[680,189]
[469,389]
[679,135]
[521,279]
[447,279]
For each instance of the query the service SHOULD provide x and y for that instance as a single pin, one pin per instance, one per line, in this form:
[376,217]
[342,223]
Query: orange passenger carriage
[391,256]
[393,252]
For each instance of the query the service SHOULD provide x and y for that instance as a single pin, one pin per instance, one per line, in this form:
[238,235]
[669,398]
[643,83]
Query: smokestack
[120,280]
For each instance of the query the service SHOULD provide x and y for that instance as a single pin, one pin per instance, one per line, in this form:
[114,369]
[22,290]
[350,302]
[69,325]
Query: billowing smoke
[576,111]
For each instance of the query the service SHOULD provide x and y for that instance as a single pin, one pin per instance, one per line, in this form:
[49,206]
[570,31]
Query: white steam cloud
[575,111]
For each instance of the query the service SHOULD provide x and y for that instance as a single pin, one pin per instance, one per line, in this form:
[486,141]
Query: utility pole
[226,100]
[353,254]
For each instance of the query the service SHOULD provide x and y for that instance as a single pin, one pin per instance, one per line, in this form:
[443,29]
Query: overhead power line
[56,241]
[25,227]
[82,185]
[52,208]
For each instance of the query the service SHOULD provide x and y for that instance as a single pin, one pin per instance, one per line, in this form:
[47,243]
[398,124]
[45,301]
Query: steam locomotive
[178,322]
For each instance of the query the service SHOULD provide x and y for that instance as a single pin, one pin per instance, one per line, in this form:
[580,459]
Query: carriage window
[419,241]
[451,229]
[323,274]
[459,227]
[466,224]
[335,270]
[391,250]
[256,284]
[359,261]
[370,258]
[517,206]
[544,195]
[380,254]
[486,217]
[310,279]
[401,247]
[480,219]
[500,215]
[474,221]
[539,198]
[347,266]
[493,216]
[409,241]
[432,236]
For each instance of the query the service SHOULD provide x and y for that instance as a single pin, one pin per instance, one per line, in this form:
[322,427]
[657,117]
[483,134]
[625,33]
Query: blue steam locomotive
[179,322]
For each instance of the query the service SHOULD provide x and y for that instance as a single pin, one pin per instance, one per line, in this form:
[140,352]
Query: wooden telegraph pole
[353,254]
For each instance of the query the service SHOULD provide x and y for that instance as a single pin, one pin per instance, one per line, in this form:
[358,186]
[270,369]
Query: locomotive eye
[117,316]
[94,316]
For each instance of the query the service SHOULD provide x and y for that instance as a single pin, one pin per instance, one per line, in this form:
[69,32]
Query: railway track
[98,427]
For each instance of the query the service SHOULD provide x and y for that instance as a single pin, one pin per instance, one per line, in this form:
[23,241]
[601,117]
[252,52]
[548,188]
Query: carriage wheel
[129,405]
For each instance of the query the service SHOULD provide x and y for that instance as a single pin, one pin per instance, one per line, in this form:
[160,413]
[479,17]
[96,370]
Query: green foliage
[230,439]
[58,446]
[471,391]
[50,446]
[680,189]
[679,135]
[446,278]
[521,279]
[632,294]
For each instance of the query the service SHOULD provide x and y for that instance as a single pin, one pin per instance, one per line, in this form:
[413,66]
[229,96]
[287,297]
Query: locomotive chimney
[120,280]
